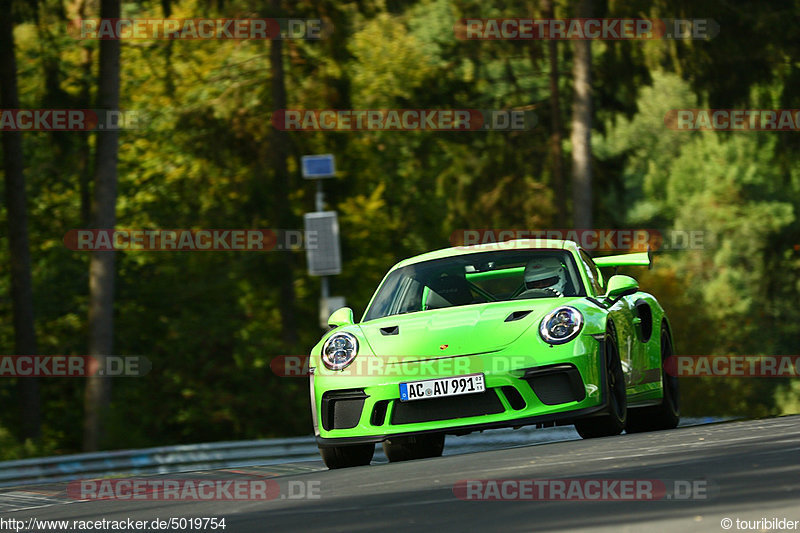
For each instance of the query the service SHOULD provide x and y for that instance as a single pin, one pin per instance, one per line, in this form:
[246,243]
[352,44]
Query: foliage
[728,189]
[209,322]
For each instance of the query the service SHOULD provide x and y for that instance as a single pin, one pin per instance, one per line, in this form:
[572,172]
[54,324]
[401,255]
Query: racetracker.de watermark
[201,28]
[599,240]
[158,489]
[404,119]
[733,119]
[733,366]
[584,29]
[181,240]
[73,366]
[69,120]
[399,366]
[582,489]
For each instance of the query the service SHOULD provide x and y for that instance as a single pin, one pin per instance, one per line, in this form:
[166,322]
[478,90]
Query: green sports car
[488,336]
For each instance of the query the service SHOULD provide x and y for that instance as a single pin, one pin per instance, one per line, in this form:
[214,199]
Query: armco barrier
[192,457]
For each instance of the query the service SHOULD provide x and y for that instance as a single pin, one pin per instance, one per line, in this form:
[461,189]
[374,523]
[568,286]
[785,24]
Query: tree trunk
[101,264]
[556,127]
[20,271]
[582,129]
[84,150]
[282,209]
[169,72]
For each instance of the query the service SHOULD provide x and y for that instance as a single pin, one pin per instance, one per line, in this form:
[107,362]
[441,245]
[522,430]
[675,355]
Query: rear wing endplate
[637,259]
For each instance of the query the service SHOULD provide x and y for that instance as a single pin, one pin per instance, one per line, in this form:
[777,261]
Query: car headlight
[561,325]
[339,351]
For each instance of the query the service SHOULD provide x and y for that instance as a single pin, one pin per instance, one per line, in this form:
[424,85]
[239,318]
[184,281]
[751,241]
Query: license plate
[440,387]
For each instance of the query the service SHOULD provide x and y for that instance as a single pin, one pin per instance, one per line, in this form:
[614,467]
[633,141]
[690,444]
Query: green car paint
[499,339]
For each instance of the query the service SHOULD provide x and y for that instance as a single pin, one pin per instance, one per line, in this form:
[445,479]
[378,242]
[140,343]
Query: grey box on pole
[323,252]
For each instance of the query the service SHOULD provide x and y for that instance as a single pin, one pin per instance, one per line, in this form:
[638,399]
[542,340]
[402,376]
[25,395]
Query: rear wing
[637,259]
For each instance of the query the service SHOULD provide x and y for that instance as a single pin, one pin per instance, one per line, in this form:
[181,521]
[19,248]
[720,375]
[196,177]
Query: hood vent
[517,315]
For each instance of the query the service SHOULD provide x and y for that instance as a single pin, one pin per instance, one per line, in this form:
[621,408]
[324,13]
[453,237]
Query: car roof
[516,244]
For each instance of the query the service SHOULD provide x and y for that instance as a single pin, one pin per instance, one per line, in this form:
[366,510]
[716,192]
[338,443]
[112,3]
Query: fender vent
[390,330]
[646,316]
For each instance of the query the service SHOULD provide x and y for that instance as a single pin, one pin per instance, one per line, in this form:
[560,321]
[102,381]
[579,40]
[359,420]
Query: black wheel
[416,447]
[612,422]
[667,414]
[347,456]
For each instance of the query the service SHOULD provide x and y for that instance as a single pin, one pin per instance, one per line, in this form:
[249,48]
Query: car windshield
[477,278]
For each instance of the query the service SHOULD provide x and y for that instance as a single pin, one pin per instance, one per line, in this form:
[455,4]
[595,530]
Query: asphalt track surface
[749,470]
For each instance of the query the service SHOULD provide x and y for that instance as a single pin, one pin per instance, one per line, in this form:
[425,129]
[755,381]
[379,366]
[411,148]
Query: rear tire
[667,414]
[415,447]
[613,421]
[347,456]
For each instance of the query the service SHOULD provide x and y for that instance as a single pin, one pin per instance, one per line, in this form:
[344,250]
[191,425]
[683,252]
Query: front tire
[613,421]
[667,414]
[347,456]
[415,447]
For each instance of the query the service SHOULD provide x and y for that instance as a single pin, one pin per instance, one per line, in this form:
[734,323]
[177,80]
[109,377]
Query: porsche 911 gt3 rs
[488,336]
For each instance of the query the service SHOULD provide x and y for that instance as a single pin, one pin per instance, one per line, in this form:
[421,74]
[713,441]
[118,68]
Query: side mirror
[341,317]
[619,286]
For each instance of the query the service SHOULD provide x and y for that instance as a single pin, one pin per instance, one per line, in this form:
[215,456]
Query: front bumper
[556,384]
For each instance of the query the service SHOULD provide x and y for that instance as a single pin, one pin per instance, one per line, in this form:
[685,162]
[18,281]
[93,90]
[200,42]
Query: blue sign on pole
[318,166]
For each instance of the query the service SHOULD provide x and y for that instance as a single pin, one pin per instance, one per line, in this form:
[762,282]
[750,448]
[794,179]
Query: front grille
[556,384]
[515,399]
[342,409]
[485,403]
[379,412]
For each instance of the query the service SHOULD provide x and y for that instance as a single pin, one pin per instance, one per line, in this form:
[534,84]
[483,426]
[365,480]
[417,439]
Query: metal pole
[325,289]
[320,197]
[323,280]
